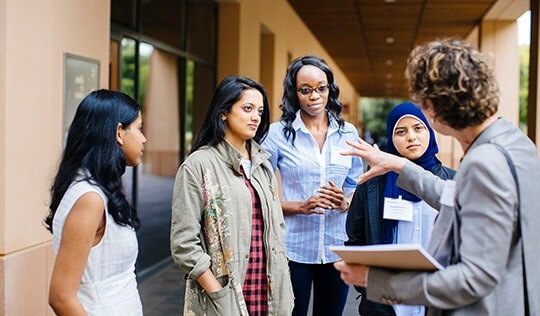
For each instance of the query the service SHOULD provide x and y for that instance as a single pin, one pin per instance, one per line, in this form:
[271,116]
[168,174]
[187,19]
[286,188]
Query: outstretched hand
[379,161]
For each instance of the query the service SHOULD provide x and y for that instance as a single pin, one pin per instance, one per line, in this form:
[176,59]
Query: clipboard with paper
[390,256]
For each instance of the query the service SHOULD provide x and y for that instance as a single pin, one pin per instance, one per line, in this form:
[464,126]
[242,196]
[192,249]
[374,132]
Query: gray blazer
[476,234]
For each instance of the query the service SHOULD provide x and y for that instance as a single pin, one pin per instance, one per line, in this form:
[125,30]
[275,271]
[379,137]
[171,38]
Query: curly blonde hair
[456,78]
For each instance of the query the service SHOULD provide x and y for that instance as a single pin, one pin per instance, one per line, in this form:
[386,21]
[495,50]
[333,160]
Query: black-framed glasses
[305,91]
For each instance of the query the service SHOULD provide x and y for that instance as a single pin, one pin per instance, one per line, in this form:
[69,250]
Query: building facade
[52,52]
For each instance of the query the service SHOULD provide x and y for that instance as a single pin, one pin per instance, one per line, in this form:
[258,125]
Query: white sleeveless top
[108,285]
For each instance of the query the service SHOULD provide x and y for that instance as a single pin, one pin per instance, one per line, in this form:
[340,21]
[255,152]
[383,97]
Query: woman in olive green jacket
[227,229]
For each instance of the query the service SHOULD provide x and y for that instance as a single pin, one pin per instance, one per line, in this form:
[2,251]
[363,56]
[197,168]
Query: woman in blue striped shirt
[317,181]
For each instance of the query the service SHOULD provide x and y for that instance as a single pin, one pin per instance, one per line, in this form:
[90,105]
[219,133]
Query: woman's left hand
[335,196]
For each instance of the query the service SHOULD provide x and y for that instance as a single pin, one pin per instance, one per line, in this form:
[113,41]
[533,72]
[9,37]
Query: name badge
[398,209]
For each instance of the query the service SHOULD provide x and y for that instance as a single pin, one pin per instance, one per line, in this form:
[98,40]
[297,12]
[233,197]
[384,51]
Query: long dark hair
[227,93]
[289,102]
[91,146]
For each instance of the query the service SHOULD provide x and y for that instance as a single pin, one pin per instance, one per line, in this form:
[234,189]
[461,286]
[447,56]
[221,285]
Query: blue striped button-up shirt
[303,169]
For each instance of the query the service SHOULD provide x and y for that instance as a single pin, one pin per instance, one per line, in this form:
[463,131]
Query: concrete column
[161,116]
[34,36]
[228,40]
[500,39]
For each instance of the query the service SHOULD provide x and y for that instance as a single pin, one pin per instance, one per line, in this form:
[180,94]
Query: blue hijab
[426,161]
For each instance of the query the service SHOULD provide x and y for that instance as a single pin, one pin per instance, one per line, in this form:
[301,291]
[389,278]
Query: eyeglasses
[305,91]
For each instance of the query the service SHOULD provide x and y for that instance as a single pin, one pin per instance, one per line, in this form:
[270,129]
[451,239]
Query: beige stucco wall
[499,38]
[161,111]
[34,35]
[291,37]
[3,15]
[501,22]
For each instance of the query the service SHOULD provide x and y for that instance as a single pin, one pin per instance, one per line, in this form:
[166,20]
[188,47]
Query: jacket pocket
[222,303]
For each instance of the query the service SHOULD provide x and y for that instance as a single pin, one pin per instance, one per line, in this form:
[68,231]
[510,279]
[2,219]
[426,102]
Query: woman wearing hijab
[371,219]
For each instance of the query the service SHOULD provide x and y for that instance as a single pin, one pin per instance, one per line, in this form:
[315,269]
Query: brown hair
[456,78]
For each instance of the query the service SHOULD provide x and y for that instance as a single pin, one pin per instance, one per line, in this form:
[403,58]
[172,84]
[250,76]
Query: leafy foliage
[374,113]
[523,85]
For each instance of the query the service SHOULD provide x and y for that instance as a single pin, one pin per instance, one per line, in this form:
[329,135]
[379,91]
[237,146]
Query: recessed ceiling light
[388,76]
[389,62]
[389,1]
[390,40]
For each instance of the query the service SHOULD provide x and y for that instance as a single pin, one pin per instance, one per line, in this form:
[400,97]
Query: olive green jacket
[211,229]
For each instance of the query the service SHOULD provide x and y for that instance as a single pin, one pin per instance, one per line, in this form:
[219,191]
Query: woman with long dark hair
[92,222]
[317,181]
[227,230]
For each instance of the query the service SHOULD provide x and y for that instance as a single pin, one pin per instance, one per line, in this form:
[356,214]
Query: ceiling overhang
[370,40]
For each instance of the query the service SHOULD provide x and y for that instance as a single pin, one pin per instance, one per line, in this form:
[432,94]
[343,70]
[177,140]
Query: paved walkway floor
[162,291]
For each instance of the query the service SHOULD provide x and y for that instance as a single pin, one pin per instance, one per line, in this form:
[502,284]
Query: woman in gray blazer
[486,234]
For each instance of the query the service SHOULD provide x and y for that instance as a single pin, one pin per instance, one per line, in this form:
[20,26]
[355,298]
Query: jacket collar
[298,124]
[233,158]
[498,127]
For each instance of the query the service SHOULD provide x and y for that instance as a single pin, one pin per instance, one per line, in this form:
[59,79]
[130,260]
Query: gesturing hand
[379,161]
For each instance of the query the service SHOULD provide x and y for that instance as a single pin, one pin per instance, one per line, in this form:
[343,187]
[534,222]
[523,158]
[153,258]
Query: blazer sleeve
[421,183]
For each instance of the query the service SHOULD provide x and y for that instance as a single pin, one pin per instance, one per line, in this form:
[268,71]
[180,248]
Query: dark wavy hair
[456,78]
[227,93]
[91,145]
[289,102]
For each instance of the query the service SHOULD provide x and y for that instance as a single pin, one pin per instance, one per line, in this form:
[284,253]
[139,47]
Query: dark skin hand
[328,197]
[335,195]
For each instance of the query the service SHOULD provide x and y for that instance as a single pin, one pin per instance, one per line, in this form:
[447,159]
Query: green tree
[374,113]
[127,67]
[523,85]
[145,50]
